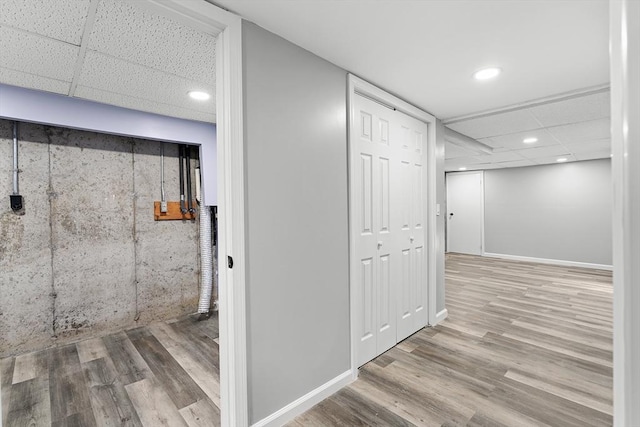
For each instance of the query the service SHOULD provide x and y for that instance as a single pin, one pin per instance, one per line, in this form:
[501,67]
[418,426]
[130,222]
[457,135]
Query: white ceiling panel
[125,101]
[449,166]
[553,159]
[514,164]
[593,155]
[489,142]
[58,19]
[580,109]
[506,156]
[468,161]
[588,146]
[118,76]
[33,54]
[544,47]
[496,124]
[514,140]
[21,79]
[452,151]
[125,31]
[583,131]
[539,152]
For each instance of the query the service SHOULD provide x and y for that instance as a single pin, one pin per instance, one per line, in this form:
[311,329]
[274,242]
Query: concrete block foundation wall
[87,257]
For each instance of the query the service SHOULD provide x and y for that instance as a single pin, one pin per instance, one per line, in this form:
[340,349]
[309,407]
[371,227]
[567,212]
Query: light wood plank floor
[166,374]
[524,345]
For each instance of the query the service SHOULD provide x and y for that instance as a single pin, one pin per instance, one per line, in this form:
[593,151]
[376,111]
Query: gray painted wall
[87,256]
[559,212]
[297,240]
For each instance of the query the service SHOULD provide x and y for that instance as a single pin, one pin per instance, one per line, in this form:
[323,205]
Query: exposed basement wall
[87,257]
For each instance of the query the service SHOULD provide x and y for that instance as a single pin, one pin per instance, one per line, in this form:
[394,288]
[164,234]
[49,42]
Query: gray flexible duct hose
[206,260]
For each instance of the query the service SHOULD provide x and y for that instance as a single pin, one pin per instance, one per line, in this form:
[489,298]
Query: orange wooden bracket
[172,213]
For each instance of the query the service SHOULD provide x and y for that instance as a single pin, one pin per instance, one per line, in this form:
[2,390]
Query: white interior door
[372,196]
[412,285]
[465,207]
[389,214]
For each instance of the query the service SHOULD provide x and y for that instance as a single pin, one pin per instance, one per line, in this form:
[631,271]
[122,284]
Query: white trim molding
[234,407]
[358,86]
[442,314]
[306,402]
[549,261]
[624,27]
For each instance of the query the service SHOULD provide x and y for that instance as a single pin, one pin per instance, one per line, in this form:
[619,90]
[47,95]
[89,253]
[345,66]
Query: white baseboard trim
[305,403]
[442,314]
[550,261]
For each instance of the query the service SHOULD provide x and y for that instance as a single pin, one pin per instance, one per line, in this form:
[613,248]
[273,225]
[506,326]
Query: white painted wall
[556,212]
[440,219]
[297,219]
[625,126]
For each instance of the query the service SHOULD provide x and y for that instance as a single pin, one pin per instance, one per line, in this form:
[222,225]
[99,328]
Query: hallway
[524,344]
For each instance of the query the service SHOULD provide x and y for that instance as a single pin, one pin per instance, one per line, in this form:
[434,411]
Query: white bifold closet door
[389,201]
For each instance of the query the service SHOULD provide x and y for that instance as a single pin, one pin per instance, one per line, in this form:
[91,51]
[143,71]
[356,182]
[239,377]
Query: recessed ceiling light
[487,73]
[462,169]
[562,160]
[530,140]
[199,96]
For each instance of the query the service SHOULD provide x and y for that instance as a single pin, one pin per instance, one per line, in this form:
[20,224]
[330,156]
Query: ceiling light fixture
[198,95]
[487,73]
[562,160]
[462,169]
[530,140]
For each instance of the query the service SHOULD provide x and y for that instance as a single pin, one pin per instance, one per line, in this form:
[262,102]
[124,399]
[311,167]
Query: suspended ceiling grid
[110,51]
[427,52]
[577,128]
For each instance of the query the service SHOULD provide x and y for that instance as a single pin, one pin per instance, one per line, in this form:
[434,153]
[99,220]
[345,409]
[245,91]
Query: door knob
[379,245]
[411,239]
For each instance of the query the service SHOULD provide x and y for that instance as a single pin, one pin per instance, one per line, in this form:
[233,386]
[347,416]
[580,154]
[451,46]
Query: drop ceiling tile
[124,31]
[58,19]
[542,152]
[18,78]
[553,159]
[506,156]
[490,142]
[593,155]
[37,55]
[514,140]
[580,109]
[588,146]
[513,164]
[466,161]
[454,167]
[117,76]
[133,103]
[496,124]
[452,151]
[583,131]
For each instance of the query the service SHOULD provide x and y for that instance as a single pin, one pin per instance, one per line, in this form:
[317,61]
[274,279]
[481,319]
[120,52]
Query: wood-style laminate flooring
[166,374]
[524,345]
